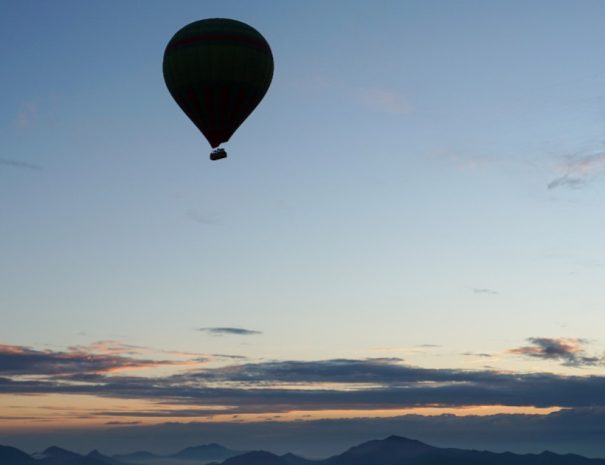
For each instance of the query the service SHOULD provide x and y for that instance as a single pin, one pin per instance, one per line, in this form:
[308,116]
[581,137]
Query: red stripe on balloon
[257,43]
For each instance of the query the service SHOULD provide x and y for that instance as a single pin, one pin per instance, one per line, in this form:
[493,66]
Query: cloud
[568,182]
[230,356]
[577,169]
[477,354]
[220,331]
[387,100]
[484,290]
[20,164]
[282,386]
[122,423]
[114,347]
[200,218]
[20,360]
[568,351]
[28,114]
[585,163]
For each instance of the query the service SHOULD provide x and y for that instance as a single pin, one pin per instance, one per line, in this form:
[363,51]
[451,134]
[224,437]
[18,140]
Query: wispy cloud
[585,163]
[20,360]
[20,164]
[477,354]
[122,423]
[568,182]
[387,100]
[200,218]
[577,169]
[119,348]
[220,331]
[484,290]
[570,352]
[27,114]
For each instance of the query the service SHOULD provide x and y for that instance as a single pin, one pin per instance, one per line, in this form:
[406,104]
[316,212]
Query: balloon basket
[218,154]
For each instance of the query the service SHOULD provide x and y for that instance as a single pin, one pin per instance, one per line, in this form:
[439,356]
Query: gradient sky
[411,219]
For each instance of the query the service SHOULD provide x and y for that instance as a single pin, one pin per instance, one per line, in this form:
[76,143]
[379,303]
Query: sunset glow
[406,237]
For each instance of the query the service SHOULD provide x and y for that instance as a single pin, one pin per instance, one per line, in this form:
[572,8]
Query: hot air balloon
[218,70]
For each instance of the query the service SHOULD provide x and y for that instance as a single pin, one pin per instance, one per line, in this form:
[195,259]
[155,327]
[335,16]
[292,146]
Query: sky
[406,237]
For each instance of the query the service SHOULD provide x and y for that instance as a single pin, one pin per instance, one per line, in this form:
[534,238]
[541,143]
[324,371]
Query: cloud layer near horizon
[283,386]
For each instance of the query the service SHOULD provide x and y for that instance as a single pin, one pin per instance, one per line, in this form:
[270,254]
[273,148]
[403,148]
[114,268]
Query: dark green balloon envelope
[218,70]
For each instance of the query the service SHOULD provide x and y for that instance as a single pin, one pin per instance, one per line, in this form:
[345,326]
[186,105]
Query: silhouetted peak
[13,456]
[140,455]
[211,451]
[393,449]
[55,451]
[95,454]
[402,440]
[393,441]
[257,457]
[258,454]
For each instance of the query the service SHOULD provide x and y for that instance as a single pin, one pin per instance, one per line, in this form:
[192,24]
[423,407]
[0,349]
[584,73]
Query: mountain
[293,459]
[207,452]
[13,456]
[138,456]
[392,450]
[57,456]
[55,452]
[267,458]
[96,455]
[396,450]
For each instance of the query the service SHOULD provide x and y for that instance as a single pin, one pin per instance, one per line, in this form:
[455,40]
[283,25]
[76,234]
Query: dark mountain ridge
[396,450]
[393,450]
[206,452]
[13,456]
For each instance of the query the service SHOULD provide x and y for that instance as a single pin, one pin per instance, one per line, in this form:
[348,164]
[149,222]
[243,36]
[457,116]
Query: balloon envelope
[218,70]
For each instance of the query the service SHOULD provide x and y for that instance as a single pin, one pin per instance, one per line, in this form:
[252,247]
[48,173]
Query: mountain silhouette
[13,456]
[55,452]
[138,456]
[396,450]
[260,457]
[95,454]
[393,450]
[58,456]
[206,452]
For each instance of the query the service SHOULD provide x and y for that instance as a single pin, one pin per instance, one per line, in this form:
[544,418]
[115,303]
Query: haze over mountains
[393,450]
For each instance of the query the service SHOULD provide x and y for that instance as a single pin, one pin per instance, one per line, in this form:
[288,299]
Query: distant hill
[138,456]
[55,452]
[396,450]
[96,455]
[267,458]
[13,456]
[393,450]
[58,456]
[206,452]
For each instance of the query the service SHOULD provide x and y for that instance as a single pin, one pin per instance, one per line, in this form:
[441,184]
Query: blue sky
[423,180]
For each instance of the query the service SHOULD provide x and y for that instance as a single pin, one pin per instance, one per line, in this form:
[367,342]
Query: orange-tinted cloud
[568,351]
